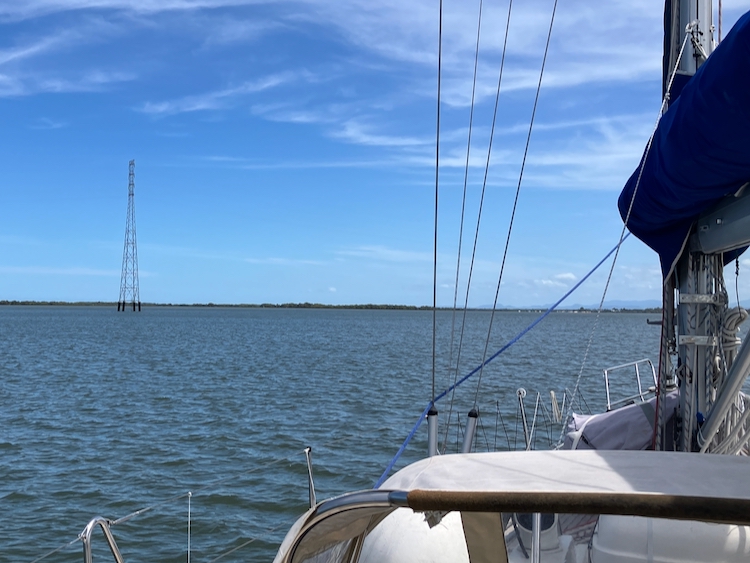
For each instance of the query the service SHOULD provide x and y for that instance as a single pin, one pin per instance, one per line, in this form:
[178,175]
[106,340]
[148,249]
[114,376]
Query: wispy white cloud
[95,81]
[47,123]
[355,132]
[85,30]
[593,153]
[385,254]
[598,122]
[290,113]
[219,99]
[14,86]
[15,54]
[17,83]
[637,279]
[284,261]
[255,164]
[228,31]
[404,32]
[590,153]
[26,68]
[11,9]
[40,270]
[228,159]
[614,48]
[10,86]
[550,283]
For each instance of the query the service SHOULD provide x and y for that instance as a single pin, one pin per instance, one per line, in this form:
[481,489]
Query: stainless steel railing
[641,393]
[85,537]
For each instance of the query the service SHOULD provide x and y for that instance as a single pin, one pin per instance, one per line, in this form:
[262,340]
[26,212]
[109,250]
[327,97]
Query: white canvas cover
[627,428]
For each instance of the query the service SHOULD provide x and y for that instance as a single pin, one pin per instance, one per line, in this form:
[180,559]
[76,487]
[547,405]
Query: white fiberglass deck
[674,485]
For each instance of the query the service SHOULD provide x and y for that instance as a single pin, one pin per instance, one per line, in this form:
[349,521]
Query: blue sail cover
[700,152]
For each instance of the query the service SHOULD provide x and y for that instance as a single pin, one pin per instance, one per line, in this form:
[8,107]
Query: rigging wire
[461,227]
[584,403]
[510,343]
[505,429]
[548,421]
[484,433]
[481,204]
[532,434]
[437,177]
[518,191]
[497,420]
[737,280]
[623,235]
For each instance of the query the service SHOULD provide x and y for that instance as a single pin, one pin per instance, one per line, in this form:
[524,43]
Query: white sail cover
[627,428]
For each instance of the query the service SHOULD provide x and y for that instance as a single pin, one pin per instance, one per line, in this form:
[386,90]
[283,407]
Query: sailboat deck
[681,486]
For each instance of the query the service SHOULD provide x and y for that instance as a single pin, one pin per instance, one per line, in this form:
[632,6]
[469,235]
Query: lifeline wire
[518,192]
[214,484]
[481,203]
[56,550]
[190,493]
[182,496]
[515,339]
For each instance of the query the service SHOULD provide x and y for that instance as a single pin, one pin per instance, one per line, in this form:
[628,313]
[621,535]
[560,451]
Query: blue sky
[285,150]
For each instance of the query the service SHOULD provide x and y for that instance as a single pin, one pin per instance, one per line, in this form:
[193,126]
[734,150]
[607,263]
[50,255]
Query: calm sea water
[106,413]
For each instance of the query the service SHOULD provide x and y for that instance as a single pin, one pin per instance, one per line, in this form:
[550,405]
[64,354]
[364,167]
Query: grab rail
[85,537]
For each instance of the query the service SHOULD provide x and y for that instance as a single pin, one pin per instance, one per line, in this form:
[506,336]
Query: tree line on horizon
[308,305]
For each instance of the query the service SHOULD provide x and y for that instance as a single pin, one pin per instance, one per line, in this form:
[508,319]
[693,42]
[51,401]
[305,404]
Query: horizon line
[309,305]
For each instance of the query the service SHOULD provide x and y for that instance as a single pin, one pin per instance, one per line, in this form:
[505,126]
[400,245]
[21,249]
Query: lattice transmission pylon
[129,292]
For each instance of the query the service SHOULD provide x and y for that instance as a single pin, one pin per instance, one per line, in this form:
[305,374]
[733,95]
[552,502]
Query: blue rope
[487,361]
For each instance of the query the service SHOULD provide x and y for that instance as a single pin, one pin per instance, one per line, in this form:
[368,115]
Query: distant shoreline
[369,306]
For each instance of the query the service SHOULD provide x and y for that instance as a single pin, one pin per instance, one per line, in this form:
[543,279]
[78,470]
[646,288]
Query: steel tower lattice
[129,292]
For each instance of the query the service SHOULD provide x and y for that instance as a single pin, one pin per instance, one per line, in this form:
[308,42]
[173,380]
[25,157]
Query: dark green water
[105,413]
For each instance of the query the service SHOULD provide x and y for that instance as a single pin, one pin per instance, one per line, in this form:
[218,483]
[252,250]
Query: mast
[683,17]
[694,297]
[693,209]
[698,324]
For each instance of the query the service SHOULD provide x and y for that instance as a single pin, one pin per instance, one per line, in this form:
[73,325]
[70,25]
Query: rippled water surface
[105,413]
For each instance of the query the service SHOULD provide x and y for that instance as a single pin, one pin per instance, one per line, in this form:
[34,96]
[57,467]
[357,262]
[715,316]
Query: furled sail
[700,152]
